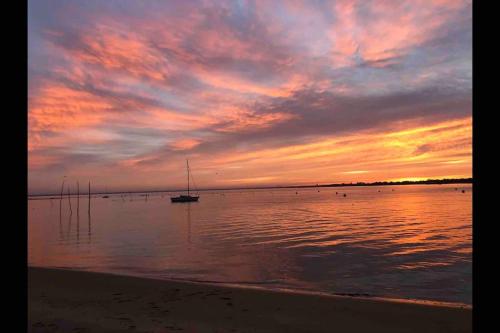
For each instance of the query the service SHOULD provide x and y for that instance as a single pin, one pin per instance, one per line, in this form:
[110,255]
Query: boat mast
[187,165]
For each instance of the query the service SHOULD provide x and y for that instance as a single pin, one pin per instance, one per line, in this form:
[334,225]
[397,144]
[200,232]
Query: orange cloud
[241,86]
[106,46]
[37,161]
[240,120]
[57,108]
[185,144]
[385,153]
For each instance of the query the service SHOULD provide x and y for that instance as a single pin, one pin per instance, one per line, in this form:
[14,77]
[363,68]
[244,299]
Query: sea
[411,242]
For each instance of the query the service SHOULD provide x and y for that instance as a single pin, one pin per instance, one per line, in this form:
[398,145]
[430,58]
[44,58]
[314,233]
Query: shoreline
[83,301]
[257,286]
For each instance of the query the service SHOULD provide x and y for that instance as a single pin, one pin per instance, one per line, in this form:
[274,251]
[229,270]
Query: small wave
[266,282]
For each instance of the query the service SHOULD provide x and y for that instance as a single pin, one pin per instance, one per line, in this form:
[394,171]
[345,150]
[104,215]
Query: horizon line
[376,183]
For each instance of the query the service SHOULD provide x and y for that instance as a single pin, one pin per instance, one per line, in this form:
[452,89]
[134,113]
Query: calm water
[402,242]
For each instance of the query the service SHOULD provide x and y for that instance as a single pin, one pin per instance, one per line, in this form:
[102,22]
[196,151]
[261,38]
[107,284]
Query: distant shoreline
[379,183]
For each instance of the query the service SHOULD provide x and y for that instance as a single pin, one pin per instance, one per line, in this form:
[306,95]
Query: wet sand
[73,301]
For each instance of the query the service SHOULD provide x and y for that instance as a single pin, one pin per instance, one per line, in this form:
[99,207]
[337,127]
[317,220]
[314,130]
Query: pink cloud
[107,46]
[57,108]
[241,120]
[185,144]
[389,30]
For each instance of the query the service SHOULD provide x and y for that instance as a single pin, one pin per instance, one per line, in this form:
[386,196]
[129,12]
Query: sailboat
[188,197]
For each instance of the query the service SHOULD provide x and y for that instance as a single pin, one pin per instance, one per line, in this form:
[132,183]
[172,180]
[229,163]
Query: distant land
[379,183]
[408,182]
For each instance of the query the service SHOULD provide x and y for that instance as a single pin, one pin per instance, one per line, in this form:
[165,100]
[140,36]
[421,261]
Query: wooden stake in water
[60,200]
[62,188]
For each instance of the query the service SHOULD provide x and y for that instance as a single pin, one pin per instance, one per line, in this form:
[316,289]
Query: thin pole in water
[187,164]
[62,188]
[60,200]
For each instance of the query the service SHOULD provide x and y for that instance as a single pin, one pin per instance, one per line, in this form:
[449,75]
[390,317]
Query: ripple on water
[414,242]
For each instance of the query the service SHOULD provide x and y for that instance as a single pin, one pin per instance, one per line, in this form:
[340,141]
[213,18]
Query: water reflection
[70,217]
[77,229]
[89,234]
[413,242]
[189,222]
[60,221]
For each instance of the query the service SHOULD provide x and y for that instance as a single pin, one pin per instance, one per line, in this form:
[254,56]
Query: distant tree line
[406,182]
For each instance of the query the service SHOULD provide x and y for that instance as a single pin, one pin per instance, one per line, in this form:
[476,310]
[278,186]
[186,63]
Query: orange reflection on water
[375,240]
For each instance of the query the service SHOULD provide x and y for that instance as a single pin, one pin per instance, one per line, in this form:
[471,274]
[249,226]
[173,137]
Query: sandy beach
[73,301]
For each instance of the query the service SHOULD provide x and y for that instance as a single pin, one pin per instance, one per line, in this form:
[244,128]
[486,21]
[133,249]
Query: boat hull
[185,198]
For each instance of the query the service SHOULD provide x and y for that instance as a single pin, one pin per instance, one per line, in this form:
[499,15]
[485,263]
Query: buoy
[345,195]
[463,191]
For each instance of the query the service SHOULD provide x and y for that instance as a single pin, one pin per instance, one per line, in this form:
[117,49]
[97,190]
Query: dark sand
[72,301]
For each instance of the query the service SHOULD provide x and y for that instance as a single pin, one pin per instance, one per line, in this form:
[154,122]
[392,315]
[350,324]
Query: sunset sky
[252,92]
